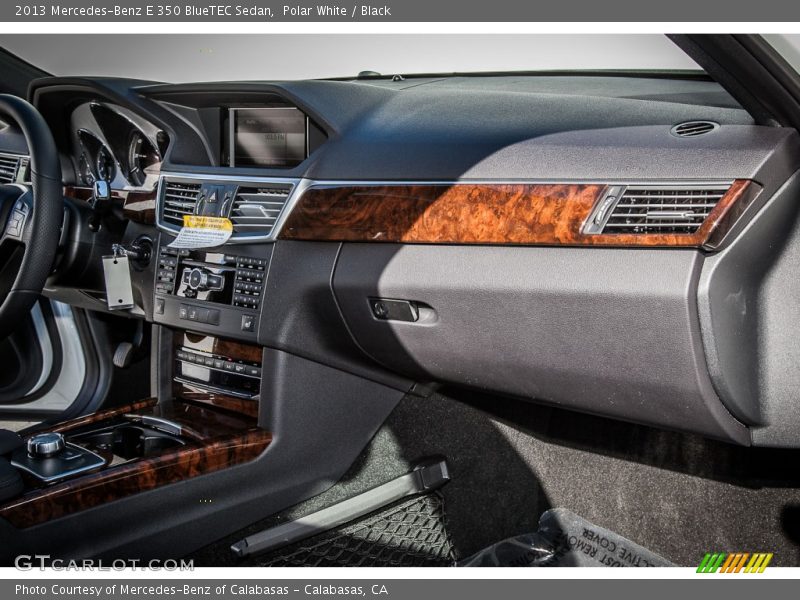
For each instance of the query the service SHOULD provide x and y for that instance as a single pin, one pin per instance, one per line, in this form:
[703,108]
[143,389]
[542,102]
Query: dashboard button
[213,316]
[159,307]
[183,311]
[248,323]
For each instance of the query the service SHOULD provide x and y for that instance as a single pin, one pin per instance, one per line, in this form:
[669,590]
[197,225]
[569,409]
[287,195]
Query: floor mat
[566,540]
[677,494]
[411,533]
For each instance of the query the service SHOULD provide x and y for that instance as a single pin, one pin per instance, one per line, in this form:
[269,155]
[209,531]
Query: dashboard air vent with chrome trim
[256,206]
[648,209]
[693,128]
[178,199]
[256,209]
[10,167]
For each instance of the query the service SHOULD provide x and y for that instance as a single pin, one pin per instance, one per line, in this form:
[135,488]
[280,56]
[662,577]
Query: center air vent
[178,199]
[9,167]
[256,209]
[694,128]
[655,209]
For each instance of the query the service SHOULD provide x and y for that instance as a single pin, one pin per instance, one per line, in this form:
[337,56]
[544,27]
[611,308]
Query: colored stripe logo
[737,562]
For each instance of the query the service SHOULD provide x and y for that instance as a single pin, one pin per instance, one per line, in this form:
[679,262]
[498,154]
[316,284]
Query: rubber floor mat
[566,540]
[411,533]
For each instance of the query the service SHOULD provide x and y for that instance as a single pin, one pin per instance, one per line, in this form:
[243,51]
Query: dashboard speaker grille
[256,209]
[645,209]
[178,199]
[9,167]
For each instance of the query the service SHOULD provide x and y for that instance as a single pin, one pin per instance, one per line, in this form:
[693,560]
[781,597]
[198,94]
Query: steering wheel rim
[36,217]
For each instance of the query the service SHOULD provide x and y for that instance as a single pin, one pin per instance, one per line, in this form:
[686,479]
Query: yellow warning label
[202,232]
[213,223]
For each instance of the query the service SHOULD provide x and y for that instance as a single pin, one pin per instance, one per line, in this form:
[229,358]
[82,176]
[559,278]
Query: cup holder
[131,441]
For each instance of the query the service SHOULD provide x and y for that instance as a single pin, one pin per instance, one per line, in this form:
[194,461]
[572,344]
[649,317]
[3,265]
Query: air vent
[9,167]
[256,209]
[694,128]
[648,209]
[178,199]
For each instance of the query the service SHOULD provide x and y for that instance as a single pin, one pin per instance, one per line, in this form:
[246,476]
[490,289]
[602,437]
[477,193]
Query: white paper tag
[119,292]
[202,232]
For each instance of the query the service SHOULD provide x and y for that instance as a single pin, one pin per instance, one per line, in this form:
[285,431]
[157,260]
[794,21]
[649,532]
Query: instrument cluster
[113,144]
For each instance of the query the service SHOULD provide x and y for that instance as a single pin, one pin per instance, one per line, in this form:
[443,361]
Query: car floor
[678,495]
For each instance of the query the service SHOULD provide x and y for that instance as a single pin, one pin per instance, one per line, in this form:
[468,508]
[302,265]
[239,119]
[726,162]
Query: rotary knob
[44,445]
[197,279]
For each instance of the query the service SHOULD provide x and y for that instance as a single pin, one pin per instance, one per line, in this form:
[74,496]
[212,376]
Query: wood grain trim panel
[479,213]
[196,394]
[217,441]
[104,415]
[137,206]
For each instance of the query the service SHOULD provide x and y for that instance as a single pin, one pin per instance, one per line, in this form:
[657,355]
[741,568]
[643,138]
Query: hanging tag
[119,292]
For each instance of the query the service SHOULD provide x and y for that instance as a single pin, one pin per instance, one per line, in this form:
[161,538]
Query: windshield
[787,46]
[186,58]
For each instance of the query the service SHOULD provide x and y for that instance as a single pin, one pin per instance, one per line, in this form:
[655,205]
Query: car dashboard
[621,245]
[589,242]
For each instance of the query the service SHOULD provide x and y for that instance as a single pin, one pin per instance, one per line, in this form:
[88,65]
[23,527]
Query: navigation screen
[268,137]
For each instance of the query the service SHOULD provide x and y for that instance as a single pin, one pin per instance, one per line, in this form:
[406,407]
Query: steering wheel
[31,217]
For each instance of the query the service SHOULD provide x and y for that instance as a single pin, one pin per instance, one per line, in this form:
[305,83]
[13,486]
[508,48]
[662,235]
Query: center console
[115,453]
[208,414]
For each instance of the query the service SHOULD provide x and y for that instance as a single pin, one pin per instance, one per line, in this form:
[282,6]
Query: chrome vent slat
[669,209]
[654,225]
[677,197]
[670,205]
[258,208]
[178,199]
[258,218]
[9,168]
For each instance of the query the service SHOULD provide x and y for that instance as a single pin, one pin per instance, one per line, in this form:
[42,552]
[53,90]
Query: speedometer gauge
[105,165]
[141,156]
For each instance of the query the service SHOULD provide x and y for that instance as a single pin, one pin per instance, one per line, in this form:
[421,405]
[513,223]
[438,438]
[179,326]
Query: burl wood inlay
[216,440]
[104,415]
[197,394]
[465,213]
[137,206]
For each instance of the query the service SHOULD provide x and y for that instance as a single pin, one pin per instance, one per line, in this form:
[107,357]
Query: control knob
[43,445]
[202,280]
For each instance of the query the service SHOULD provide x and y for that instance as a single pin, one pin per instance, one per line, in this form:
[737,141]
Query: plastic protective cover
[566,540]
